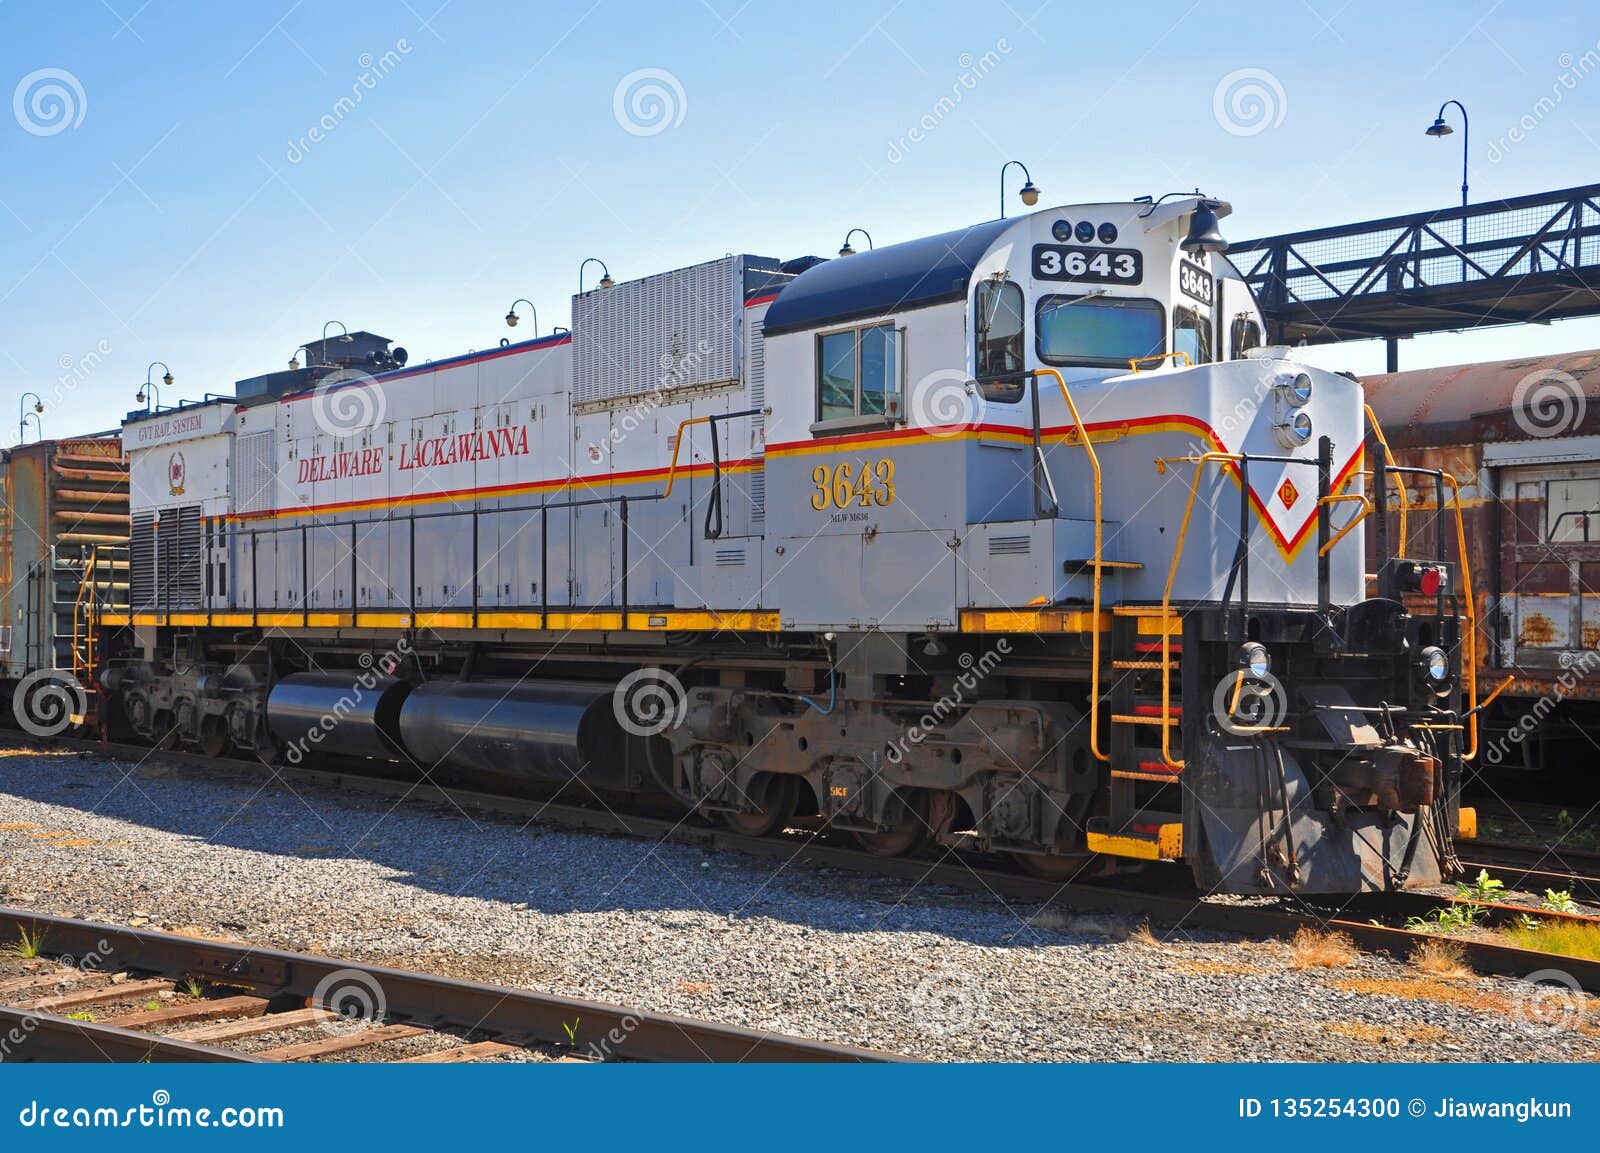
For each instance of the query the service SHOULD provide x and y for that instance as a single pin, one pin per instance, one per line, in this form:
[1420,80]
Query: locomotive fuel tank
[522,731]
[349,713]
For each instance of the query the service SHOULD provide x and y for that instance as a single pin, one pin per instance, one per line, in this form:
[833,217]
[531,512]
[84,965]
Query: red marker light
[1430,581]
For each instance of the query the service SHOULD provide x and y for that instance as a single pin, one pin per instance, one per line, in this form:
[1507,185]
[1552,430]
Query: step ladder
[1144,813]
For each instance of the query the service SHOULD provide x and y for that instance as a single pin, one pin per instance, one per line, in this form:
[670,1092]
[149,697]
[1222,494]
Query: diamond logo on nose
[1287,493]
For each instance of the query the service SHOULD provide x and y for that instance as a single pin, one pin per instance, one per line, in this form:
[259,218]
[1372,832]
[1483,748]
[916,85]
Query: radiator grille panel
[168,566]
[674,330]
[253,488]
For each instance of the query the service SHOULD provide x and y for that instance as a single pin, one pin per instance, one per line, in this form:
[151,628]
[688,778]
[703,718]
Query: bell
[1204,233]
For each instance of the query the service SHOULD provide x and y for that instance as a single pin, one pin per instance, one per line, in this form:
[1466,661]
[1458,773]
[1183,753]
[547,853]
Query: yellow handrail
[1388,458]
[1166,596]
[1336,498]
[677,445]
[1094,617]
[1472,620]
[1135,361]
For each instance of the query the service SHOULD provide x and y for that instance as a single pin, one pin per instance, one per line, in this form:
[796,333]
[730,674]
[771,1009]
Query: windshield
[1104,331]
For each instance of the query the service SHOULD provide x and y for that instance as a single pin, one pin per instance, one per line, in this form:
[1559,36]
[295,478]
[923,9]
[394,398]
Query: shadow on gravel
[240,828]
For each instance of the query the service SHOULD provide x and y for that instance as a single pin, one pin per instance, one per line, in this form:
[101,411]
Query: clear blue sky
[188,217]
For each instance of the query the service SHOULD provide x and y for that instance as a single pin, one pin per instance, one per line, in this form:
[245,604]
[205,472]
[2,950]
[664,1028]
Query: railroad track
[1360,919]
[111,993]
[1539,867]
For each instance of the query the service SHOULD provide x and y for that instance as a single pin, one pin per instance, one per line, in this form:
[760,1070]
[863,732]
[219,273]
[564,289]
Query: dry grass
[1385,1034]
[1314,949]
[1568,938]
[1142,934]
[1443,959]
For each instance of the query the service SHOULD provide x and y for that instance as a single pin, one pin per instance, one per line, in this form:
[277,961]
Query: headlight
[1295,431]
[1435,663]
[1256,659]
[1296,389]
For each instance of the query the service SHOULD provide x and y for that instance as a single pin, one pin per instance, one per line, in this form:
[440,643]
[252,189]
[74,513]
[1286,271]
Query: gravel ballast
[875,962]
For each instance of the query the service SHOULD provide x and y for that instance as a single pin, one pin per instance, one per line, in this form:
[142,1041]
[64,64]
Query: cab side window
[1243,335]
[998,338]
[1191,334]
[858,376]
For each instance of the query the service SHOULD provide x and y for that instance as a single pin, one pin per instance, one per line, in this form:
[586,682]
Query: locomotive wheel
[214,740]
[913,830]
[777,797]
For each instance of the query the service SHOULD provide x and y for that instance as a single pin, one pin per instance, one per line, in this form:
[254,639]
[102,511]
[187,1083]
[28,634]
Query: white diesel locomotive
[1013,538]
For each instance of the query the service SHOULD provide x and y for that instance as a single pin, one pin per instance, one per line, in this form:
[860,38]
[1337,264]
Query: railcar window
[836,376]
[998,311]
[857,372]
[1244,334]
[1100,332]
[1572,511]
[1191,335]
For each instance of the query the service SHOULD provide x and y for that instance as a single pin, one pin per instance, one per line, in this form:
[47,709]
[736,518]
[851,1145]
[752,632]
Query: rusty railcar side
[1523,438]
[60,502]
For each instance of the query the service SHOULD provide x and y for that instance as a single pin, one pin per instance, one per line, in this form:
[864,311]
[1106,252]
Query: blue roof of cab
[883,280]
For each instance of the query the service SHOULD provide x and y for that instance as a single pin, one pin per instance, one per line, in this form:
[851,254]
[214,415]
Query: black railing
[1529,259]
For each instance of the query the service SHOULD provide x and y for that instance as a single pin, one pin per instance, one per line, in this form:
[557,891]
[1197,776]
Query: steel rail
[34,1035]
[429,1000]
[1287,917]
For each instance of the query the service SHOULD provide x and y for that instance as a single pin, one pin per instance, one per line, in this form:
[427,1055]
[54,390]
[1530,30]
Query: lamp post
[23,416]
[1440,129]
[344,335]
[150,395]
[1028,193]
[845,249]
[605,273]
[511,313]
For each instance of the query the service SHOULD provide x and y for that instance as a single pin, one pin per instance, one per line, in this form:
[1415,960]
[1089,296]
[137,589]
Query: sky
[209,185]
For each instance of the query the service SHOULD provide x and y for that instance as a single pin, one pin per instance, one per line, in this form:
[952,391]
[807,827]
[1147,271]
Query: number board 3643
[1095,265]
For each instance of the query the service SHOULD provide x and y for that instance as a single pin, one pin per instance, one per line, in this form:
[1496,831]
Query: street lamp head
[606,281]
[139,396]
[167,380]
[511,320]
[1439,127]
[848,249]
[38,406]
[1029,193]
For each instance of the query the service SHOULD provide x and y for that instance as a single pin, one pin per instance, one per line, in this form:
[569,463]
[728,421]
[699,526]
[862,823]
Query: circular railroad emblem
[177,472]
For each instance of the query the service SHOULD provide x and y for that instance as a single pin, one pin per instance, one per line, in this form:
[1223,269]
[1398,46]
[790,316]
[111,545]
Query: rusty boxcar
[61,501]
[1523,438]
